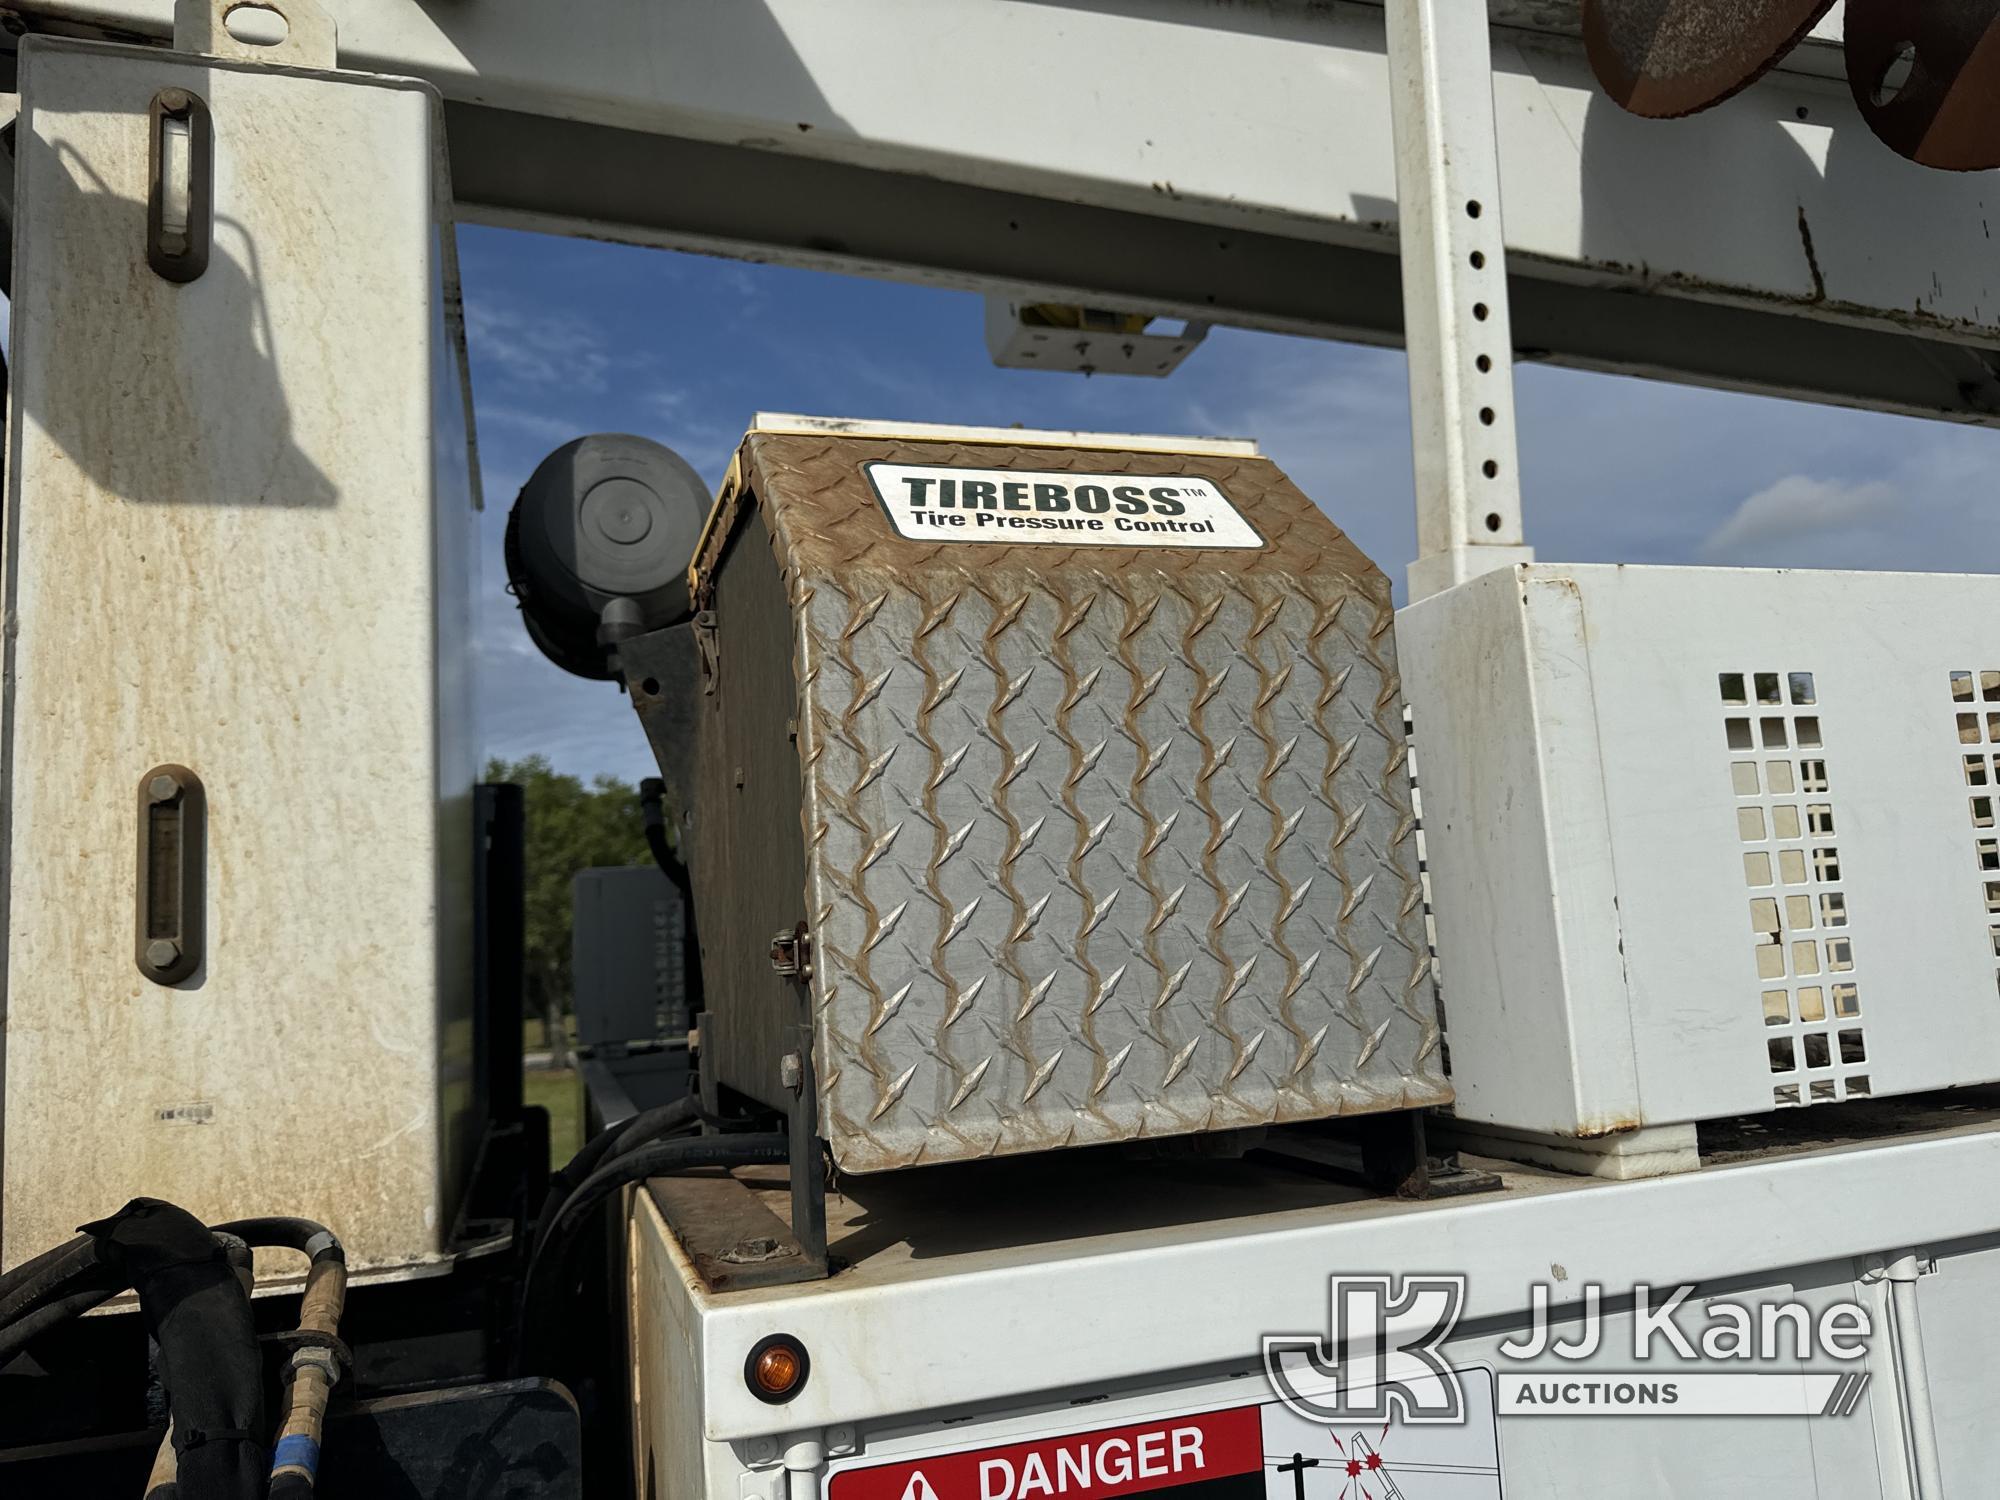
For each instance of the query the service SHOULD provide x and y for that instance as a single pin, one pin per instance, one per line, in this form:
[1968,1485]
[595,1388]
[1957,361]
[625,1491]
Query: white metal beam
[534,172]
[1456,325]
[1269,118]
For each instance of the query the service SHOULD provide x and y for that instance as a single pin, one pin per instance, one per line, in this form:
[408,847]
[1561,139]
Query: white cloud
[1928,506]
[1775,522]
[549,427]
[539,350]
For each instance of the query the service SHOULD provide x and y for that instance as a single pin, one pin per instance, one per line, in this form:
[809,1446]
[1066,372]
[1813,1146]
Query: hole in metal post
[256,25]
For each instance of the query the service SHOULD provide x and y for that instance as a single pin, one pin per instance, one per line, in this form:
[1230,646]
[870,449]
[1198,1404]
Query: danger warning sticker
[1255,1451]
[1192,1456]
[1016,506]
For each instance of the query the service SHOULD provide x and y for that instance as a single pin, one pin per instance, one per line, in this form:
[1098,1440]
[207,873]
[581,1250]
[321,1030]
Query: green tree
[571,827]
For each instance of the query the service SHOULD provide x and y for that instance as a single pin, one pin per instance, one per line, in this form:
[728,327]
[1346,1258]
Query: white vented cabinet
[1708,842]
[239,540]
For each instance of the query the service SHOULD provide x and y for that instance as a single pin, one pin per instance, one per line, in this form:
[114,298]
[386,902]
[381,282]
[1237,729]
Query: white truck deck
[983,1305]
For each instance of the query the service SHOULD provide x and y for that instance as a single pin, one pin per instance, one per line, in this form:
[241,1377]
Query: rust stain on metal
[1812,260]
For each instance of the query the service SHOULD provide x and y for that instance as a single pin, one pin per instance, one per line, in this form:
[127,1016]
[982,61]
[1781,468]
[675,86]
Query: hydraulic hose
[548,1268]
[673,864]
[317,1353]
[652,807]
[194,1288]
[302,1235]
[163,1483]
[199,1314]
[50,1275]
[85,1293]
[611,1141]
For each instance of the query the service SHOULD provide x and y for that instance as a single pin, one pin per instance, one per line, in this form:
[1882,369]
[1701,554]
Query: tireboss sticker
[1016,506]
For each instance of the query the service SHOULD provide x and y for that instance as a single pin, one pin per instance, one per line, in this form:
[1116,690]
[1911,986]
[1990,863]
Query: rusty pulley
[1925,73]
[1663,58]
[1926,77]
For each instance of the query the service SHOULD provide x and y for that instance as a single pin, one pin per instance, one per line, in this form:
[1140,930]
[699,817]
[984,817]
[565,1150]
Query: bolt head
[163,788]
[174,101]
[791,1071]
[162,952]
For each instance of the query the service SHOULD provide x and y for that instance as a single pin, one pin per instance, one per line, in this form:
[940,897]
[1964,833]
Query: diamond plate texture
[1101,843]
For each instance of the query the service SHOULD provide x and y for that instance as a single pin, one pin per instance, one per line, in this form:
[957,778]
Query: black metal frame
[725,1232]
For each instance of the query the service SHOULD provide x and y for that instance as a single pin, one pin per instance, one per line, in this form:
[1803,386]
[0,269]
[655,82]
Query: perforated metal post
[1454,293]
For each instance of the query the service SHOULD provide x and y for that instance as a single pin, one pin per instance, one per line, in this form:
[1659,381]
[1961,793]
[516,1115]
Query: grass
[561,1094]
[535,1033]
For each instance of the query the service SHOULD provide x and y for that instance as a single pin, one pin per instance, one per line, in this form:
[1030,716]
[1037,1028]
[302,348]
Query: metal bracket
[660,669]
[808,1165]
[1388,1153]
[791,954]
[308,40]
[709,650]
[729,1232]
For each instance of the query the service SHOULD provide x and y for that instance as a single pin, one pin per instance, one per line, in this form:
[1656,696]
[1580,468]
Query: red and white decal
[1261,1451]
[1175,1453]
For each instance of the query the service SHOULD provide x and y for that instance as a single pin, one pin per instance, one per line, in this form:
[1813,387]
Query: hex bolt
[174,101]
[162,953]
[791,1071]
[163,788]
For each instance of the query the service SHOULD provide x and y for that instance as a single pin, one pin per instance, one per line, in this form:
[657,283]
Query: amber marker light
[777,1368]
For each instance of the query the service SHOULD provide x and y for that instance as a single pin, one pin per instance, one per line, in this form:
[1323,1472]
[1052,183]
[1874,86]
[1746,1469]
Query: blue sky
[575,336]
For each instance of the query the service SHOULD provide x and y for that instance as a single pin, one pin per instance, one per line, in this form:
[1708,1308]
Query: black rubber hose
[548,1269]
[49,1275]
[69,1280]
[611,1141]
[86,1293]
[303,1235]
[199,1314]
[651,1124]
[652,807]
[673,865]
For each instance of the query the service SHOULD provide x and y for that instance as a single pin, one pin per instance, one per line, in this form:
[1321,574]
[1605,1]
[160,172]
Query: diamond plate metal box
[1092,843]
